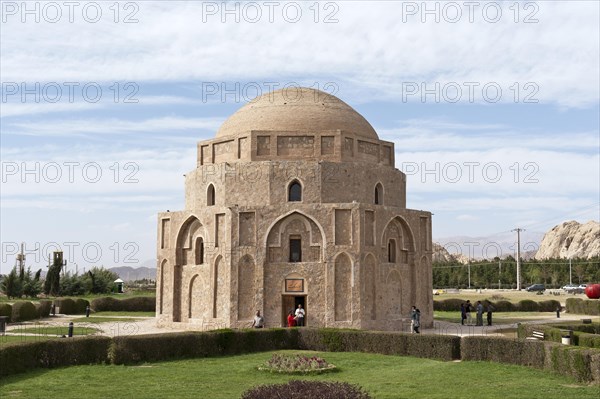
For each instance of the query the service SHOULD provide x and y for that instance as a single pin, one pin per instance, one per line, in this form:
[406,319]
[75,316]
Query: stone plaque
[294,285]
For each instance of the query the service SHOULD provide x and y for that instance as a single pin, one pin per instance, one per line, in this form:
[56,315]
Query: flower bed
[296,364]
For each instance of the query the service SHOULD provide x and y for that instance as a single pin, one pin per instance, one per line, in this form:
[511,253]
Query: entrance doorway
[291,302]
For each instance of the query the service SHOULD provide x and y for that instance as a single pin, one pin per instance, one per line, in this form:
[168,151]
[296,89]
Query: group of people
[467,308]
[294,319]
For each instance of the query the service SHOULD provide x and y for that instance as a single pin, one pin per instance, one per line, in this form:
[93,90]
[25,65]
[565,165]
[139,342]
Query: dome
[297,109]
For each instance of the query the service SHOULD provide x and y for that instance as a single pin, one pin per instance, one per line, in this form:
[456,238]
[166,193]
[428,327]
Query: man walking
[259,321]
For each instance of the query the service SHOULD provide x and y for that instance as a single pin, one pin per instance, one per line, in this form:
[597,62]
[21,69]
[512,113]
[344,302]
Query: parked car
[571,288]
[536,287]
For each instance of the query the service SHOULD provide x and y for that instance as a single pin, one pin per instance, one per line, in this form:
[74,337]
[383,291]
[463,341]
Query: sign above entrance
[294,285]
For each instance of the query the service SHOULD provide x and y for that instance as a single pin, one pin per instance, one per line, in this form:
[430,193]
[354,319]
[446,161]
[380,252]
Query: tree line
[20,283]
[495,273]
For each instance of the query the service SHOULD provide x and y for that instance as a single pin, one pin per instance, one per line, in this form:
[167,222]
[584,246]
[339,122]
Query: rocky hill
[127,273]
[441,254]
[571,240]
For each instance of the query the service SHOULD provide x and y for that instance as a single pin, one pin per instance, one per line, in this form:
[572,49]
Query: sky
[493,108]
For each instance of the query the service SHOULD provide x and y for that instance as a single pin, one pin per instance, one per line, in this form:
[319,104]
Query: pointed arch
[210,195]
[185,250]
[294,191]
[378,200]
[343,287]
[398,228]
[393,284]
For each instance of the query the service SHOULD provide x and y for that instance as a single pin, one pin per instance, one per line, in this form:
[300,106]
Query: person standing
[468,308]
[479,309]
[259,321]
[463,314]
[300,316]
[490,310]
[415,320]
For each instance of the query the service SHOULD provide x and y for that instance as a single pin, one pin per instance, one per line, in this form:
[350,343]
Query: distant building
[295,201]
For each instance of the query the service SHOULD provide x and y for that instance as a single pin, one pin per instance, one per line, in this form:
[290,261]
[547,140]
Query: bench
[538,335]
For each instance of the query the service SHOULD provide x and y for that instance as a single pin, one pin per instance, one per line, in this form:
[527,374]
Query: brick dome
[297,109]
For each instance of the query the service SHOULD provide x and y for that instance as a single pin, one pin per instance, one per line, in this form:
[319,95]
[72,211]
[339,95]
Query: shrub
[527,305]
[306,390]
[554,333]
[504,306]
[134,304]
[81,305]
[449,305]
[22,357]
[549,306]
[23,311]
[106,304]
[583,306]
[65,306]
[43,308]
[444,347]
[6,310]
[582,364]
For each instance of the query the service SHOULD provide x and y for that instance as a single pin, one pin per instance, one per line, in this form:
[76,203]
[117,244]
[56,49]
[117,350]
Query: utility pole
[570,273]
[518,230]
[469,271]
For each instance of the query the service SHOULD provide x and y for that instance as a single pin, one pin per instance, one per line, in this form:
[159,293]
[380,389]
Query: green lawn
[227,377]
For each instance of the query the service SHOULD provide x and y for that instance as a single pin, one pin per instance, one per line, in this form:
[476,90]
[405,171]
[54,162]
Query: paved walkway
[147,325]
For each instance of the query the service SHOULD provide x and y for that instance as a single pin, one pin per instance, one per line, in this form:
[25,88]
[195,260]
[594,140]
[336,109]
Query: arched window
[210,195]
[295,191]
[392,251]
[199,251]
[295,249]
[378,194]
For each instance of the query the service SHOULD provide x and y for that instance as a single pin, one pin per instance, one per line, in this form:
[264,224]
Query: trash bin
[3,322]
[566,337]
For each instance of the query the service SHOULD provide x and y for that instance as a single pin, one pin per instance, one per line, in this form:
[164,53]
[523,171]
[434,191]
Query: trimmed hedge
[583,306]
[155,347]
[443,347]
[133,304]
[23,311]
[582,364]
[71,306]
[555,332]
[526,305]
[22,357]
[6,310]
[81,305]
[43,308]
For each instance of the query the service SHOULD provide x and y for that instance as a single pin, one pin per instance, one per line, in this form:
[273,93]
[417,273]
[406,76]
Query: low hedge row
[43,308]
[554,333]
[583,306]
[149,348]
[443,347]
[582,364]
[19,358]
[134,304]
[526,305]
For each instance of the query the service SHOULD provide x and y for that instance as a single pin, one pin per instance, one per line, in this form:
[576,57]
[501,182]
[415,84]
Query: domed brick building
[295,201]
